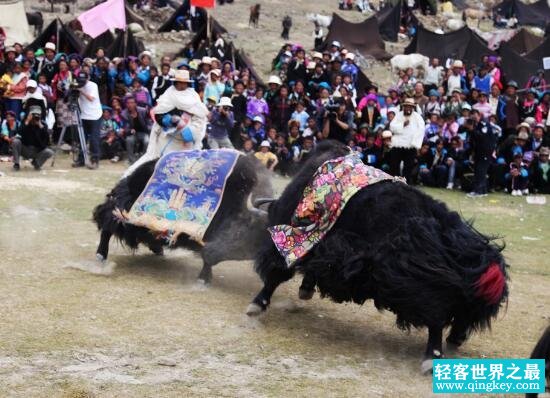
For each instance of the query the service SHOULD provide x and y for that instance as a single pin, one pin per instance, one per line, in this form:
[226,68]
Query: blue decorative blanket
[184,193]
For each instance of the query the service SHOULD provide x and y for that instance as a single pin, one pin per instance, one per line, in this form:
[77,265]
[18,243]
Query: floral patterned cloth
[324,199]
[184,193]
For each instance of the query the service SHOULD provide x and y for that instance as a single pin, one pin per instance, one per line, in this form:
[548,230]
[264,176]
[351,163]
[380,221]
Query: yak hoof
[100,257]
[202,281]
[253,309]
[305,294]
[426,367]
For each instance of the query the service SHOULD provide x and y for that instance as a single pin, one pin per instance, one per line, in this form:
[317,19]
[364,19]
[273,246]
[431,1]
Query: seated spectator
[384,163]
[10,130]
[372,155]
[518,177]
[136,125]
[257,105]
[284,156]
[256,131]
[305,150]
[248,147]
[33,141]
[214,87]
[141,94]
[436,169]
[267,158]
[540,172]
[301,116]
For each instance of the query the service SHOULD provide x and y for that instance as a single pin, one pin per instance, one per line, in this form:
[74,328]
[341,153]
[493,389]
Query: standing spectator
[90,113]
[281,110]
[407,134]
[161,82]
[300,115]
[257,106]
[456,81]
[214,88]
[483,144]
[434,75]
[287,24]
[221,124]
[508,110]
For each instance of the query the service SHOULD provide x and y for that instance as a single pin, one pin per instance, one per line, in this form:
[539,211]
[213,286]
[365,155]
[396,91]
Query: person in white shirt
[407,130]
[90,115]
[433,75]
[180,121]
[454,81]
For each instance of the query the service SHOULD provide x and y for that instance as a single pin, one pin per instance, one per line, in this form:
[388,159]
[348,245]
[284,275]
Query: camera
[332,110]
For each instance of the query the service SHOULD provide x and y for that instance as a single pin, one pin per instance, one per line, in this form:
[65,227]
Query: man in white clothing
[180,121]
[90,114]
[434,75]
[407,135]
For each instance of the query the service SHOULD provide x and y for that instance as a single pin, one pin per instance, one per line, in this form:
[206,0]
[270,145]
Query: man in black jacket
[32,142]
[483,143]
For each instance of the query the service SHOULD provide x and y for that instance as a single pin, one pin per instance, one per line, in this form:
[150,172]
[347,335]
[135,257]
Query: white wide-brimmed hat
[225,101]
[182,76]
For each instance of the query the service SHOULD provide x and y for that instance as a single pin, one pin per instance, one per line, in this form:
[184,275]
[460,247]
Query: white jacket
[410,136]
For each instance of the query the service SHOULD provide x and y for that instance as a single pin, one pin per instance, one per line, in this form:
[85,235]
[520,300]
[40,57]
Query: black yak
[398,246]
[233,233]
[542,351]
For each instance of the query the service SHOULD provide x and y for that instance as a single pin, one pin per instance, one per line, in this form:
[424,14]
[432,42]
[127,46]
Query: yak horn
[262,201]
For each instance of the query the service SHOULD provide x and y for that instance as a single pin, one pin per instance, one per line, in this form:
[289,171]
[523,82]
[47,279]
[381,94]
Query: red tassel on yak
[490,285]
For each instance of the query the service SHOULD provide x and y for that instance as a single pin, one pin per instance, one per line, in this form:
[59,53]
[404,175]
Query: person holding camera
[221,124]
[32,142]
[337,122]
[90,114]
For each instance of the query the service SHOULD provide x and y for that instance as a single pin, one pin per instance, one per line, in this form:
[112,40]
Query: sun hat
[458,64]
[523,125]
[258,119]
[216,72]
[350,56]
[31,84]
[310,65]
[386,134]
[265,143]
[49,46]
[336,43]
[274,80]
[409,102]
[225,101]
[544,151]
[522,135]
[181,76]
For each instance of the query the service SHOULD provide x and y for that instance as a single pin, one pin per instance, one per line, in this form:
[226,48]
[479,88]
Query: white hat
[311,65]
[258,119]
[386,134]
[393,109]
[274,80]
[336,43]
[288,53]
[409,102]
[49,46]
[225,101]
[145,53]
[458,64]
[350,56]
[216,72]
[466,106]
[31,84]
[206,60]
[265,143]
[182,76]
[317,54]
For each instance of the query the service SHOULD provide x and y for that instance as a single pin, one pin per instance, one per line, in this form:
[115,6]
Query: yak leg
[157,248]
[262,300]
[458,333]
[307,288]
[103,249]
[433,349]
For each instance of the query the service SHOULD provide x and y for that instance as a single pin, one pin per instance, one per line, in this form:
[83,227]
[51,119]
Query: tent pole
[125,38]
[57,35]
[208,27]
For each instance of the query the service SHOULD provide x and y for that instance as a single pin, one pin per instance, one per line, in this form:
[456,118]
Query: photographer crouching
[32,140]
[90,114]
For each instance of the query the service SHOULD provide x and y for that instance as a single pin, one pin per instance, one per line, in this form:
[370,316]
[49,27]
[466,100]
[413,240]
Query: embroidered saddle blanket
[184,193]
[332,186]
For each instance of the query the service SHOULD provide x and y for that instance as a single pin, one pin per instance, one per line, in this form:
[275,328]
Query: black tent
[104,40]
[184,10]
[390,20]
[61,35]
[537,14]
[363,37]
[517,67]
[125,44]
[524,42]
[461,44]
[541,51]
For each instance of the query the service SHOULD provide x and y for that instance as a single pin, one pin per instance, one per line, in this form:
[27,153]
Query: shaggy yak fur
[542,351]
[399,247]
[233,234]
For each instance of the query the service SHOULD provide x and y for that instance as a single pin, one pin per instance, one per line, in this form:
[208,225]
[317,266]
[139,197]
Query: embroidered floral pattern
[332,186]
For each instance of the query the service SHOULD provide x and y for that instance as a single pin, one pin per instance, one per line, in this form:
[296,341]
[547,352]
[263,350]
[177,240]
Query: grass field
[149,330]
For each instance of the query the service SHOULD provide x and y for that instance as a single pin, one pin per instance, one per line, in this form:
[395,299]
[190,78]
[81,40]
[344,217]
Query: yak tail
[491,284]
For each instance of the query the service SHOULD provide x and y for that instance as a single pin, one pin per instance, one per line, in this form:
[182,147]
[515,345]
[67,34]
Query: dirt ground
[144,327]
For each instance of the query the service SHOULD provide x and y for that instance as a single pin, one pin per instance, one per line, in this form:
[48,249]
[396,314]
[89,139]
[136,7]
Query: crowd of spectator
[459,126]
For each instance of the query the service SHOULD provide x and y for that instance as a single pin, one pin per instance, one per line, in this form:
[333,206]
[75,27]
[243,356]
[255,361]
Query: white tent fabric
[13,20]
